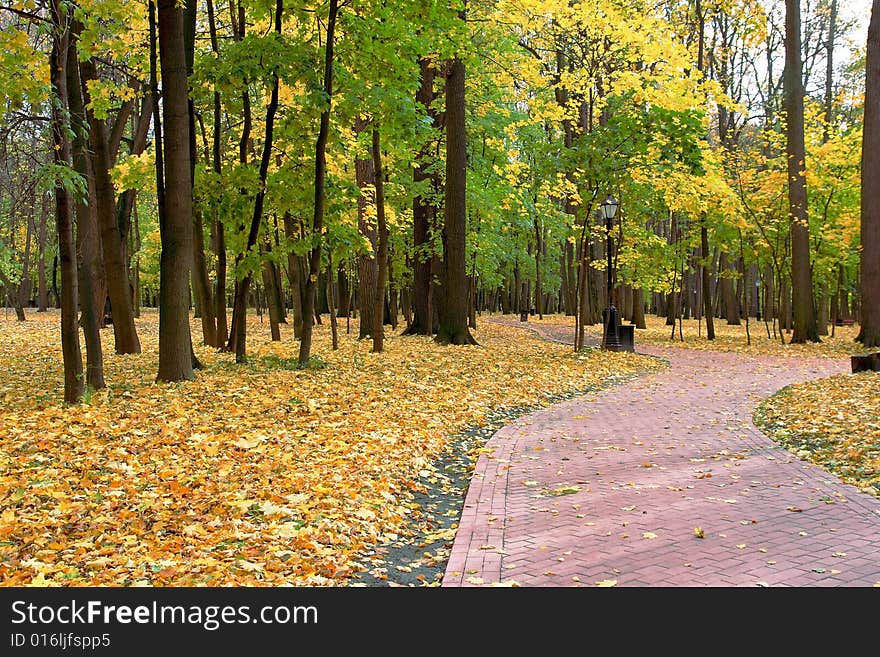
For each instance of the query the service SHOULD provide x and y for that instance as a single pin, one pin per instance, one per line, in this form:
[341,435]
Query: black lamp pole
[611,338]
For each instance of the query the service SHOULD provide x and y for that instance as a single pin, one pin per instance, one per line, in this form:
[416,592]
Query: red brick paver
[611,487]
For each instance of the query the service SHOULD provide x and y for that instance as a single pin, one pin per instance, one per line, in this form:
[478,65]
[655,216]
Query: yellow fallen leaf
[649,535]
[606,583]
[698,532]
[474,580]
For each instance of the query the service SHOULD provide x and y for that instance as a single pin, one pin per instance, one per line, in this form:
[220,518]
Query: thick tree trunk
[639,308]
[869,334]
[453,328]
[175,218]
[804,314]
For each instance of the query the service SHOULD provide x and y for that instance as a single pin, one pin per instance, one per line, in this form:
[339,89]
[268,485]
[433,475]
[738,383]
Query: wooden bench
[845,322]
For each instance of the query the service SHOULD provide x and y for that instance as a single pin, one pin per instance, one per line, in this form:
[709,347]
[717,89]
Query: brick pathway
[611,487]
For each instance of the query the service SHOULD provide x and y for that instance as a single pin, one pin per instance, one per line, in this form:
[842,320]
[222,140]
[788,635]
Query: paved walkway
[614,487]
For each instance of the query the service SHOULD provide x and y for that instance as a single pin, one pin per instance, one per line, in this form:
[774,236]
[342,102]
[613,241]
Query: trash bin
[524,316]
[625,333]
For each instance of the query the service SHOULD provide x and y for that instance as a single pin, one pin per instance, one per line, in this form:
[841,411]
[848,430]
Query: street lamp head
[609,207]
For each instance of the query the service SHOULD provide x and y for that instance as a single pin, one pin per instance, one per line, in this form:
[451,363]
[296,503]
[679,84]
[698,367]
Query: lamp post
[610,337]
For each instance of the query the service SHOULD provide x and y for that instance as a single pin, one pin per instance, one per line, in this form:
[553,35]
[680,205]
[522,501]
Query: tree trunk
[111,240]
[869,335]
[382,254]
[238,329]
[175,218]
[343,285]
[424,215]
[368,263]
[294,275]
[87,236]
[42,232]
[222,332]
[705,268]
[305,345]
[804,314]
[639,308]
[453,328]
[272,299]
[728,291]
[71,354]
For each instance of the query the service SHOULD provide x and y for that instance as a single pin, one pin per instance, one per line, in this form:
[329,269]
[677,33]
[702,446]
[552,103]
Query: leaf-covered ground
[260,474]
[729,338]
[833,422]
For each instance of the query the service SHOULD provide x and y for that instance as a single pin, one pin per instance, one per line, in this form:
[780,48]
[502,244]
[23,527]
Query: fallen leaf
[606,583]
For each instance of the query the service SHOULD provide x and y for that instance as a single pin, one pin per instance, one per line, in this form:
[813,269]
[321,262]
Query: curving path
[611,487]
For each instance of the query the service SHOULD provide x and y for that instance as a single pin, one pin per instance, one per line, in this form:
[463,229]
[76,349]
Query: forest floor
[350,473]
[257,474]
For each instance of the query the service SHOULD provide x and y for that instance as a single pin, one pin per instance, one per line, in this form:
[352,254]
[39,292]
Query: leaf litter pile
[833,422]
[256,475]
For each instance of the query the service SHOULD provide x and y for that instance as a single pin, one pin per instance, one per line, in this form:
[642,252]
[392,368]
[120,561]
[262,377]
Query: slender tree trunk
[728,293]
[343,285]
[238,330]
[331,304]
[272,298]
[70,349]
[382,253]
[368,263]
[201,286]
[801,275]
[869,335]
[87,235]
[295,277]
[305,345]
[539,247]
[42,291]
[706,270]
[222,332]
[424,213]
